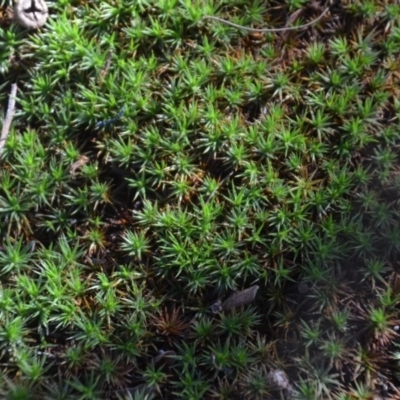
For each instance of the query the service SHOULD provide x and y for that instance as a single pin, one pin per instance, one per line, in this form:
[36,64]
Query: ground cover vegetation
[159,163]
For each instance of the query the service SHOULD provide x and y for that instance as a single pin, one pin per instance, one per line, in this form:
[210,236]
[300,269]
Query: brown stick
[9,116]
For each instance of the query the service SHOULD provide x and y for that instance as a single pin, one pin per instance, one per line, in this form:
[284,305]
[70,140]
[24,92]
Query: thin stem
[9,116]
[268,30]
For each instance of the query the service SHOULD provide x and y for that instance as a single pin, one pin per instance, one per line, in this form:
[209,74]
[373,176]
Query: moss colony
[192,211]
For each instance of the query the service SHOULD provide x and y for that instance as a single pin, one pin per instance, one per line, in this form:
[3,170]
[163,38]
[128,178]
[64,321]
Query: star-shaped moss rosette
[159,165]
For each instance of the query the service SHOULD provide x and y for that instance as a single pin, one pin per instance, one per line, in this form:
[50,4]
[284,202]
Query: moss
[160,162]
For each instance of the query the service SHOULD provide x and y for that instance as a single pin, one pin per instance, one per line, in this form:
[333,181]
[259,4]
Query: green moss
[158,162]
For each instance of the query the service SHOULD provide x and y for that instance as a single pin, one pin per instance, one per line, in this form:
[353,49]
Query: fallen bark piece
[280,379]
[238,299]
[78,164]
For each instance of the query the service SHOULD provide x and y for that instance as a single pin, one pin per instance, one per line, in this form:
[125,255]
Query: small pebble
[303,287]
